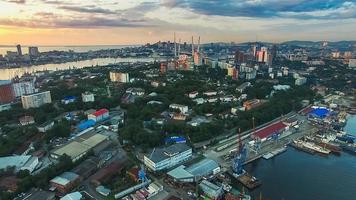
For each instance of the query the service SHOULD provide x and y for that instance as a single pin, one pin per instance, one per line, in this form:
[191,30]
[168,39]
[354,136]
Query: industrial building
[36,100]
[99,115]
[65,182]
[195,172]
[268,131]
[119,77]
[167,157]
[80,146]
[211,190]
[19,163]
[7,94]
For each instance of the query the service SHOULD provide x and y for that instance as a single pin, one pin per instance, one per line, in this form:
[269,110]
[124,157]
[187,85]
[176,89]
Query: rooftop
[269,130]
[13,161]
[159,154]
[100,112]
[72,196]
[65,178]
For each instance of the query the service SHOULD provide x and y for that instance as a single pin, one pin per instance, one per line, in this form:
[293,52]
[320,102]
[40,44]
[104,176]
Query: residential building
[119,77]
[65,182]
[19,50]
[33,51]
[88,97]
[167,157]
[23,87]
[193,94]
[253,103]
[243,87]
[26,120]
[4,107]
[36,100]
[45,126]
[352,63]
[7,94]
[183,109]
[300,81]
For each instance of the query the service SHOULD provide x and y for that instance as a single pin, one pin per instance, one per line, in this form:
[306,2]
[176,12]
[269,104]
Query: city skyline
[50,22]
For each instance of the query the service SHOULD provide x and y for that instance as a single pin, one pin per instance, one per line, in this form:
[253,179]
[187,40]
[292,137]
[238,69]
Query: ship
[351,148]
[316,148]
[297,144]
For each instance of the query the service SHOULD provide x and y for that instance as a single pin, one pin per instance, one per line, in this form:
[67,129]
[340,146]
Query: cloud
[333,9]
[87,9]
[16,1]
[56,21]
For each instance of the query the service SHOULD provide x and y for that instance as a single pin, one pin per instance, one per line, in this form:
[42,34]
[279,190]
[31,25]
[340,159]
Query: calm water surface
[296,175]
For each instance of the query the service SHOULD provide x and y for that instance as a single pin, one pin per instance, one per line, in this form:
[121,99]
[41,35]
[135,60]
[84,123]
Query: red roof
[100,112]
[269,130]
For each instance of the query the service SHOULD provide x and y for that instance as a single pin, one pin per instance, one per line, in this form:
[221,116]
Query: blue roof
[69,97]
[175,139]
[86,124]
[320,112]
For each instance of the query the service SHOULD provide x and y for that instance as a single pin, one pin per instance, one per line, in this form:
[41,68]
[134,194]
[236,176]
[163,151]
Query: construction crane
[240,157]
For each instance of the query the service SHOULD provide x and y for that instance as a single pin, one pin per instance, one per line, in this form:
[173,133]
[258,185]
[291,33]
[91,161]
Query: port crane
[240,157]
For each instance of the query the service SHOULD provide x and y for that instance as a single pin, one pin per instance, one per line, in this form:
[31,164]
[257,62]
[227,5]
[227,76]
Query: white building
[119,77]
[300,81]
[167,157]
[23,88]
[194,94]
[88,97]
[183,109]
[36,100]
[352,63]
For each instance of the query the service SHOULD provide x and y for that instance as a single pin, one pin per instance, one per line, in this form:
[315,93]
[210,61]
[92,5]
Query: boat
[351,148]
[297,144]
[334,148]
[316,148]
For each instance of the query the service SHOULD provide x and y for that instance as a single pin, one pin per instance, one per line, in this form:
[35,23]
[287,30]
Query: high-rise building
[6,92]
[23,88]
[239,57]
[36,100]
[352,63]
[33,51]
[163,68]
[347,54]
[274,52]
[19,51]
[119,77]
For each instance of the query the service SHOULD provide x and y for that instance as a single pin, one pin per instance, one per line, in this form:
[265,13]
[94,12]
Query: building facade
[119,77]
[167,157]
[7,94]
[23,87]
[36,100]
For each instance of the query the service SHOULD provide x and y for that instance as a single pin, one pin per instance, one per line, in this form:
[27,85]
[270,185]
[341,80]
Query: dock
[246,179]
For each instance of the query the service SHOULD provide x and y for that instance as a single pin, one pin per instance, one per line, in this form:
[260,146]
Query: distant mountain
[337,44]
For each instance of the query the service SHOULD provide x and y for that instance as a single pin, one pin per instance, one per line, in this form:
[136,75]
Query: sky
[109,22]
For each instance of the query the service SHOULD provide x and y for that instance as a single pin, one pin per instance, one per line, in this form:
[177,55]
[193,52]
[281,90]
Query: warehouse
[77,148]
[167,157]
[195,172]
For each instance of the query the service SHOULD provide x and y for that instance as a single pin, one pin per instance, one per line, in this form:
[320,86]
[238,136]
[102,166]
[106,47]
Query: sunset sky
[108,22]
